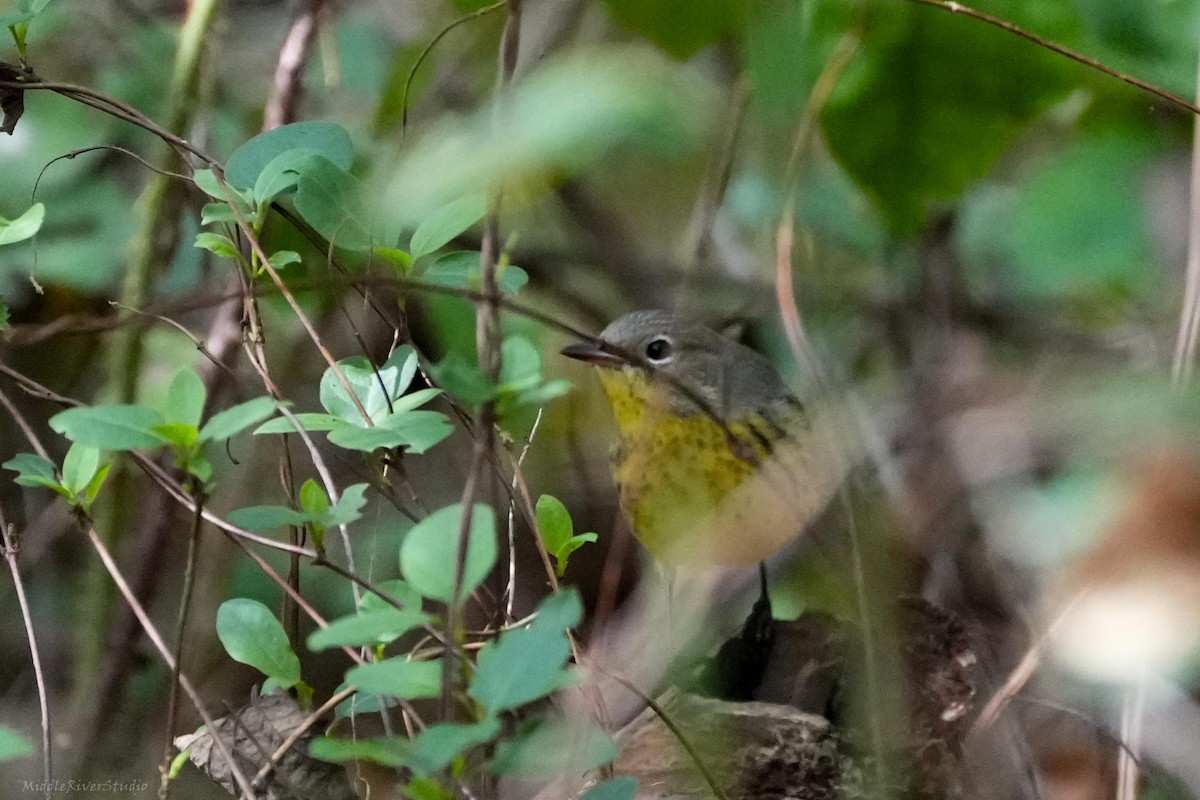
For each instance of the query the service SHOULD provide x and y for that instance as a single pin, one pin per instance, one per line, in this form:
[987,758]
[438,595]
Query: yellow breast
[689,495]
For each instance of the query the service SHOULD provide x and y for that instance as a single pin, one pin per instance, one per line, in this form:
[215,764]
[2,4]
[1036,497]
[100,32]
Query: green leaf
[13,745]
[348,507]
[217,212]
[93,488]
[935,130]
[391,751]
[176,434]
[620,788]
[554,522]
[570,113]
[236,419]
[282,173]
[1081,225]
[326,138]
[680,27]
[24,226]
[400,591]
[438,745]
[413,400]
[33,470]
[463,379]
[309,422]
[252,635]
[217,244]
[266,518]
[282,258]
[551,747]
[185,398]
[313,500]
[373,391]
[117,427]
[523,665]
[416,430]
[331,201]
[367,628]
[461,270]
[399,259]
[4,323]
[79,467]
[447,222]
[398,677]
[429,551]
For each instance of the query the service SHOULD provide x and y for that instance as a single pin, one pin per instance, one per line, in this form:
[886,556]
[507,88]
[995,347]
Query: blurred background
[987,247]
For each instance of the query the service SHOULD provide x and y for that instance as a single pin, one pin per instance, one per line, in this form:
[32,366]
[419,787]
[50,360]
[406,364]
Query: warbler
[717,461]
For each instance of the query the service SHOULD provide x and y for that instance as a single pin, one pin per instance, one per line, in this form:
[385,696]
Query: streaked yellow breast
[678,477]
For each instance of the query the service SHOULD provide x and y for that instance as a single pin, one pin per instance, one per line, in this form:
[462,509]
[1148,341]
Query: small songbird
[717,462]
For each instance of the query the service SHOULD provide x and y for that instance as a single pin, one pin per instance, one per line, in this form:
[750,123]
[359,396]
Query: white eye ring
[660,350]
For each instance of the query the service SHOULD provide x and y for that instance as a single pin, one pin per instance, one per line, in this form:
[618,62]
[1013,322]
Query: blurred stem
[153,246]
[487,343]
[1189,322]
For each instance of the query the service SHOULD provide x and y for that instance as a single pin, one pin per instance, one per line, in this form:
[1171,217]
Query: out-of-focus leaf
[560,118]
[680,27]
[550,747]
[326,138]
[622,787]
[463,380]
[1080,224]
[24,226]
[331,201]
[936,128]
[13,745]
[447,222]
[461,269]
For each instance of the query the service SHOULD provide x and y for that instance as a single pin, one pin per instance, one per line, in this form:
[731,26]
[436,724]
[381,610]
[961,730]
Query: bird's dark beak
[592,353]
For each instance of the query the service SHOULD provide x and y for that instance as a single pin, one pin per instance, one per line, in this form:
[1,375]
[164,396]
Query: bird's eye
[659,350]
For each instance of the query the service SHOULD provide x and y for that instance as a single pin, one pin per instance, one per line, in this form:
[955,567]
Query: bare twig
[156,639]
[287,85]
[185,603]
[10,555]
[1189,322]
[412,73]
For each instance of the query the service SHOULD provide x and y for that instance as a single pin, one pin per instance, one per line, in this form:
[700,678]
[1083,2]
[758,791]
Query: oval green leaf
[429,550]
[252,635]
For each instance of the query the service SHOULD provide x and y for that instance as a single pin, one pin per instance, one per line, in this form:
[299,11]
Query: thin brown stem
[185,604]
[156,639]
[11,549]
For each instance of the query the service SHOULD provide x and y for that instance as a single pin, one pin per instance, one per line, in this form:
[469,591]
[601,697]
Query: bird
[717,461]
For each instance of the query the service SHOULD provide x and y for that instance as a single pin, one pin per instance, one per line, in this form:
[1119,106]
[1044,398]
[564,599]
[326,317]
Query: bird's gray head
[729,377]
